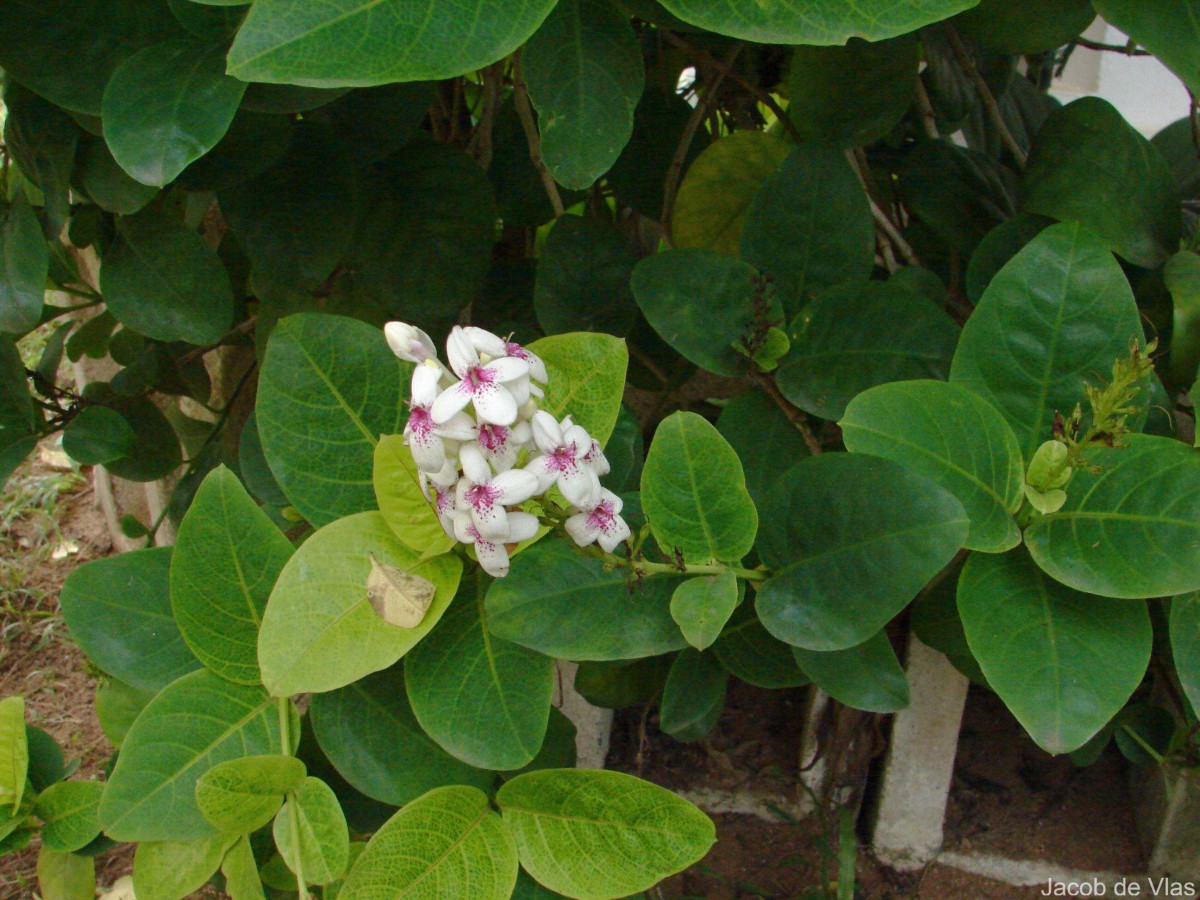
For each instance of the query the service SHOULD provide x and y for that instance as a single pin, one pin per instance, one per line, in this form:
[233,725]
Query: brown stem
[481,141]
[233,333]
[925,110]
[675,170]
[525,113]
[1130,49]
[881,220]
[794,415]
[985,94]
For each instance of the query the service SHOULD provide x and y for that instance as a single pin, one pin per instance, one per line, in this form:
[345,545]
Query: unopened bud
[409,342]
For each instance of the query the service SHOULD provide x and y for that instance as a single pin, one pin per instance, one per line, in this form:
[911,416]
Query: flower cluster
[483,447]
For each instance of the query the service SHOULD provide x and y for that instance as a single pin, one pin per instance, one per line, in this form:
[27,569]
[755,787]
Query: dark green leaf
[42,139]
[253,143]
[119,612]
[97,435]
[1089,165]
[638,174]
[693,696]
[375,122]
[583,279]
[24,264]
[935,621]
[626,454]
[156,452]
[867,676]
[1185,645]
[1169,30]
[764,440]
[1000,245]
[111,187]
[1027,27]
[209,22]
[749,652]
[46,765]
[621,683]
[117,706]
[840,577]
[701,606]
[253,464]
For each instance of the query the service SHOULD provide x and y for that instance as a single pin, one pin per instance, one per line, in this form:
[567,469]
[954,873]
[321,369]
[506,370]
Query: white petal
[520,389]
[617,503]
[461,352]
[409,342]
[580,530]
[453,399]
[508,369]
[446,477]
[493,557]
[491,522]
[536,391]
[486,342]
[428,452]
[578,436]
[494,404]
[473,464]
[616,532]
[596,459]
[539,466]
[521,526]
[580,486]
[537,368]
[460,427]
[546,432]
[425,380]
[521,434]
[516,486]
[463,527]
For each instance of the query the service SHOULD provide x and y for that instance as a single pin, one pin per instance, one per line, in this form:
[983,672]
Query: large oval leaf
[329,387]
[161,280]
[168,105]
[585,75]
[1033,26]
[1133,529]
[68,811]
[1169,29]
[566,605]
[597,834]
[319,631]
[583,278]
[24,264]
[955,439]
[1060,312]
[694,492]
[1091,166]
[858,335]
[119,613]
[587,379]
[693,696]
[192,725]
[749,652]
[484,700]
[1185,645]
[1064,662]
[839,577]
[365,42]
[867,676]
[240,796]
[447,843]
[402,502]
[311,834]
[227,557]
[369,732]
[814,22]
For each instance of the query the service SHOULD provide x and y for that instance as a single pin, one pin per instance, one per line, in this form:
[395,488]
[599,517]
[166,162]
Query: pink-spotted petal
[507,369]
[616,531]
[451,401]
[461,352]
[491,521]
[494,404]
[520,389]
[515,486]
[493,556]
[580,486]
[581,530]
[596,459]
[428,451]
[578,436]
[486,342]
[542,468]
[464,528]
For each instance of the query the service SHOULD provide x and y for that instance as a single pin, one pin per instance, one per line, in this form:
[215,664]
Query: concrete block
[1168,816]
[593,725]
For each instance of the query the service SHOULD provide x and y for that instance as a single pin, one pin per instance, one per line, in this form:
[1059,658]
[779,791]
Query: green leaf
[164,282]
[583,278]
[852,95]
[119,613]
[814,23]
[295,220]
[701,607]
[1169,30]
[424,243]
[254,143]
[1064,662]
[621,683]
[42,140]
[1133,529]
[404,507]
[857,336]
[68,811]
[705,305]
[66,876]
[934,619]
[597,834]
[1033,26]
[24,264]
[242,881]
[585,75]
[1182,277]
[375,122]
[810,225]
[484,700]
[14,752]
[567,606]
[626,454]
[242,795]
[1000,245]
[209,21]
[694,492]
[749,652]
[98,435]
[838,578]
[227,557]
[447,843]
[1185,645]
[365,42]
[867,676]
[168,105]
[252,464]
[1057,315]
[172,870]
[693,696]
[954,439]
[111,187]
[1091,166]
[638,175]
[329,387]
[369,732]
[319,631]
[764,440]
[46,764]
[720,187]
[117,706]
[587,379]
[192,725]
[311,834]
[156,453]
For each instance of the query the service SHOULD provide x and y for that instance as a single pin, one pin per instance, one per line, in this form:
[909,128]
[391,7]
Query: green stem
[285,727]
[644,567]
[285,748]
[1154,754]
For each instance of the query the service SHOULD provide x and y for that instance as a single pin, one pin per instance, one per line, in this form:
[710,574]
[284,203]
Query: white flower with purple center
[483,384]
[485,495]
[492,553]
[562,460]
[501,445]
[600,523]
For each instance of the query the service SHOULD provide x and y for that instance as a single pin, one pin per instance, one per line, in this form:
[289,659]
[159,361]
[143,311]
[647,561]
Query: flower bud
[409,342]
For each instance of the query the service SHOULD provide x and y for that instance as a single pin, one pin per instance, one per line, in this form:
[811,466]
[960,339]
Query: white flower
[421,434]
[409,342]
[562,460]
[485,495]
[537,368]
[500,445]
[481,384]
[596,460]
[492,553]
[600,523]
